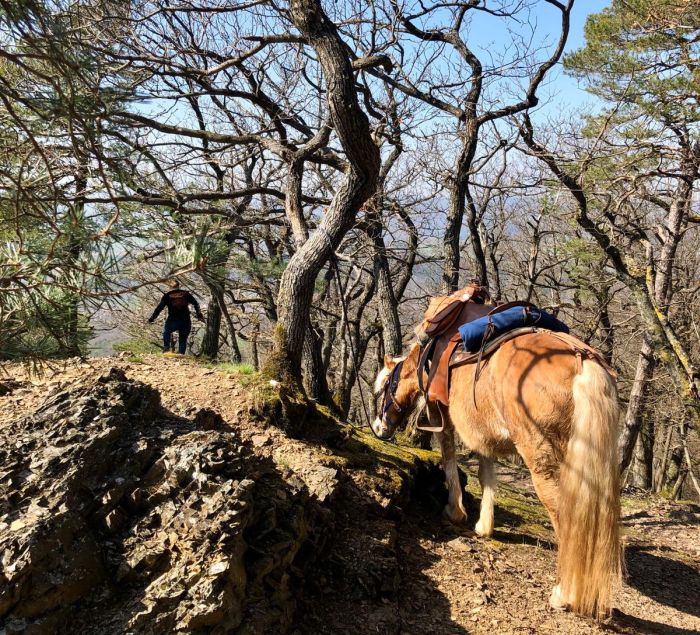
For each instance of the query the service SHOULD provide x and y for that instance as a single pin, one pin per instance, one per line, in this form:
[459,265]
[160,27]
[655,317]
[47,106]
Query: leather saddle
[438,336]
[445,345]
[446,313]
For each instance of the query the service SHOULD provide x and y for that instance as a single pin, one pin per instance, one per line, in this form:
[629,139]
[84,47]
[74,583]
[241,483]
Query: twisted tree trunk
[352,127]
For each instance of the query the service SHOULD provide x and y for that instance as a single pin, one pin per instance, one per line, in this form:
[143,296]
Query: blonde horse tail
[590,558]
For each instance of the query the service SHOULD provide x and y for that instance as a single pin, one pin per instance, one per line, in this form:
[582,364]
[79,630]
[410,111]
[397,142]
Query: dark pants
[183,328]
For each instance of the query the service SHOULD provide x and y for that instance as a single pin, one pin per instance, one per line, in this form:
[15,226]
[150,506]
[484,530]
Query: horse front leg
[454,511]
[487,478]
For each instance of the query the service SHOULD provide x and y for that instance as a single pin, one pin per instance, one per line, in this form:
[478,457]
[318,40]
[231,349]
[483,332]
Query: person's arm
[159,308]
[193,301]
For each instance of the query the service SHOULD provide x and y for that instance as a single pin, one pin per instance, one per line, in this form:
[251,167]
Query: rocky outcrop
[116,516]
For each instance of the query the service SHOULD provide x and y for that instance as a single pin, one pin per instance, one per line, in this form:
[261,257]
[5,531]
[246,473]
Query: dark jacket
[177,301]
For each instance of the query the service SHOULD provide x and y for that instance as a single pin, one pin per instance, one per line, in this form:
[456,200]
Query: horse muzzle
[381,430]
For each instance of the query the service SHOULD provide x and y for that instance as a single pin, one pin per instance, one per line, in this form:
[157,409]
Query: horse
[537,396]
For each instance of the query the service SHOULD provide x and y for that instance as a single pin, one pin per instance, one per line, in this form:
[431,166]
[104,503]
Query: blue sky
[499,42]
[565,91]
[581,9]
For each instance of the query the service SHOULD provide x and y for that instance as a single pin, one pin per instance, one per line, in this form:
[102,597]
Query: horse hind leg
[547,490]
[454,511]
[487,479]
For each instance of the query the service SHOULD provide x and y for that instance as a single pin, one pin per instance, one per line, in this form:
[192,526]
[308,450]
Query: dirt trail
[450,581]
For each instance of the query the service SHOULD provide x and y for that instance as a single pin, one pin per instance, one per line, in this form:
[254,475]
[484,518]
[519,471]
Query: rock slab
[116,516]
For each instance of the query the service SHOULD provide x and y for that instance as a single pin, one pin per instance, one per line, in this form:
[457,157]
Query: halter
[389,394]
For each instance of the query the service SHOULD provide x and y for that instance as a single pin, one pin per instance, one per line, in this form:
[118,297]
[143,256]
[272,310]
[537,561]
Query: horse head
[396,390]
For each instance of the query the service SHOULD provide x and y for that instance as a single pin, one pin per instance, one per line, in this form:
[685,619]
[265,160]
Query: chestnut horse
[533,396]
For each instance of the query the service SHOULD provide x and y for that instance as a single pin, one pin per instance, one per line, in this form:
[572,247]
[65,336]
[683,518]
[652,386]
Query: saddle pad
[517,317]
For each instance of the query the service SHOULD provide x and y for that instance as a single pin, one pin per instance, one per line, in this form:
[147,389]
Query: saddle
[444,314]
[441,342]
[438,336]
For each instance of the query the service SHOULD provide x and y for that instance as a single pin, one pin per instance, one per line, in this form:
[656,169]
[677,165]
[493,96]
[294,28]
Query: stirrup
[439,428]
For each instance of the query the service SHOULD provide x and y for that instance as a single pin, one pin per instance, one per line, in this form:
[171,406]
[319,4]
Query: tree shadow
[510,526]
[664,580]
[621,622]
[373,578]
[424,609]
[522,538]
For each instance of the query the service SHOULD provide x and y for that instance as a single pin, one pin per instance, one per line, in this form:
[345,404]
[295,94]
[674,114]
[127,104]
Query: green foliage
[581,250]
[266,269]
[644,55]
[43,323]
[56,256]
[137,347]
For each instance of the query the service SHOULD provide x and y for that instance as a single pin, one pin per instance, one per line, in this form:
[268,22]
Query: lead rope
[334,262]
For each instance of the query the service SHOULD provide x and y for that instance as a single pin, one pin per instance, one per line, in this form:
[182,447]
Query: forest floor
[451,582]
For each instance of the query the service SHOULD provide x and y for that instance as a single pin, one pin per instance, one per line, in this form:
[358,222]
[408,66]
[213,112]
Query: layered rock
[118,517]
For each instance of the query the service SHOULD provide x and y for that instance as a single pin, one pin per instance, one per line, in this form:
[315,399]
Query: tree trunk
[352,128]
[635,407]
[254,349]
[641,476]
[360,345]
[662,296]
[315,381]
[688,460]
[473,221]
[455,213]
[75,249]
[607,332]
[236,356]
[532,260]
[678,485]
[212,331]
[495,283]
[388,304]
[659,479]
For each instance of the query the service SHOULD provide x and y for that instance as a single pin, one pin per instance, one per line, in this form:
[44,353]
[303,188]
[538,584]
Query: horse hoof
[483,531]
[456,517]
[556,601]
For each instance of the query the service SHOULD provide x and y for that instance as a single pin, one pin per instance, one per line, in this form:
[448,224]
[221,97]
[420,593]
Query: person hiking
[177,300]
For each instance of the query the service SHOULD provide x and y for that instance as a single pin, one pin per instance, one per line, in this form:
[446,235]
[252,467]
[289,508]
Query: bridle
[389,395]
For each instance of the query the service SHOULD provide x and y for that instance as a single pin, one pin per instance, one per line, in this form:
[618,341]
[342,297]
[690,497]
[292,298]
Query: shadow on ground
[363,585]
[664,580]
[628,624]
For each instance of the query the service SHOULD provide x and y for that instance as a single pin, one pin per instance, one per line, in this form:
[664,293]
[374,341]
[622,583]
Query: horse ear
[389,361]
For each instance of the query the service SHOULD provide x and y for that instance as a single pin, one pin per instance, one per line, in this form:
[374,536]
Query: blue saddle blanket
[516,317]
